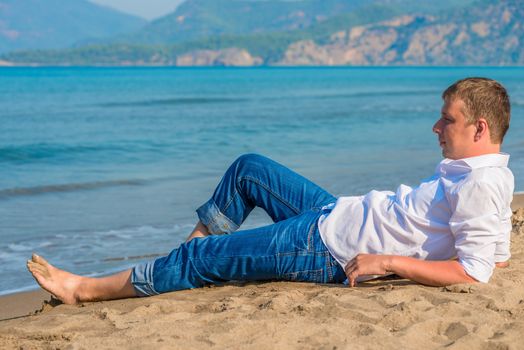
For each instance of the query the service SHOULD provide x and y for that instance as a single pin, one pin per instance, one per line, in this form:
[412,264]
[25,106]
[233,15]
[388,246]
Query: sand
[383,314]
[518,201]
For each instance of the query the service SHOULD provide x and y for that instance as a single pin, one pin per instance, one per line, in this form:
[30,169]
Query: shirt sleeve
[477,226]
[502,251]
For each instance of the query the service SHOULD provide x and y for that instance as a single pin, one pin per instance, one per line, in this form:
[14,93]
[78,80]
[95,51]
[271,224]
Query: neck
[484,149]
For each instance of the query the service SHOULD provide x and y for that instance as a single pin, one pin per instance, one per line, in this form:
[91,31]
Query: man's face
[455,135]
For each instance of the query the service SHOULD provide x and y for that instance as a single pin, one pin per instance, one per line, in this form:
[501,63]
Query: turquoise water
[101,166]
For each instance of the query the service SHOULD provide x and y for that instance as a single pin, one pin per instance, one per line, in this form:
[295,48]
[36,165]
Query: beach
[102,168]
[98,161]
[380,314]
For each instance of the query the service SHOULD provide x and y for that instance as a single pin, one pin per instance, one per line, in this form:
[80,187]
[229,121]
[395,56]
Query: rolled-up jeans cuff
[216,222]
[142,279]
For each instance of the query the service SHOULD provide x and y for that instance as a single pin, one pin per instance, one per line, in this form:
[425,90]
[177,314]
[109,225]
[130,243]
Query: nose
[436,127]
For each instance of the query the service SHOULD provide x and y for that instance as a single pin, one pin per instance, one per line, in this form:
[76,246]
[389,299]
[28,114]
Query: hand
[366,264]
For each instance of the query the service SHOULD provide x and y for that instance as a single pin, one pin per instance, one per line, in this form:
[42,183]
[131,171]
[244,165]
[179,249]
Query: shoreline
[22,304]
[26,303]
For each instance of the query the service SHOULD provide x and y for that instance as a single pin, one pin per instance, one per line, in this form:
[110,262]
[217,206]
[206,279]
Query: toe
[37,268]
[39,260]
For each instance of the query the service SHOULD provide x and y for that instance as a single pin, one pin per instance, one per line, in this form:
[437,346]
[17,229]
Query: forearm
[433,273]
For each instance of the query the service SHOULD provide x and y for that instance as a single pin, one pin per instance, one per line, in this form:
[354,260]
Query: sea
[102,168]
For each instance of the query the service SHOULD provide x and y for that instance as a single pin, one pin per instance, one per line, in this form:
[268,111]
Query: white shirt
[462,211]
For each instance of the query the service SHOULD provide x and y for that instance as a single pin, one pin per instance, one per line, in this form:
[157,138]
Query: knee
[249,161]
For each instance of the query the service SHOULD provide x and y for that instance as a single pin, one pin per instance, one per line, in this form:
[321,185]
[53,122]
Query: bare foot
[199,231]
[62,284]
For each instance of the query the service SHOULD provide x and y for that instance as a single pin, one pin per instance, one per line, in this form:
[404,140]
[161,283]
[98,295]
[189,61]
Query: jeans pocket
[305,276]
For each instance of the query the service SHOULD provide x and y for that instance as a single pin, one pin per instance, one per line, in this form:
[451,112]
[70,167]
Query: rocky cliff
[481,35]
[492,35]
[226,57]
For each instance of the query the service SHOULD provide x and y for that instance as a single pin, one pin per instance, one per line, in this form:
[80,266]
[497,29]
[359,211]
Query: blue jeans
[290,249]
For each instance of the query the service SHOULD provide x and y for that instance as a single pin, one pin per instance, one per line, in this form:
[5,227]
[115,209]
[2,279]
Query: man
[453,228]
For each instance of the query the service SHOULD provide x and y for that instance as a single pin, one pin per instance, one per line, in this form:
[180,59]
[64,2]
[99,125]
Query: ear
[482,129]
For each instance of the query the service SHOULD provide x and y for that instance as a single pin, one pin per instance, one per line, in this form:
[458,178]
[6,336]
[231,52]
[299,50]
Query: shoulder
[484,189]
[495,181]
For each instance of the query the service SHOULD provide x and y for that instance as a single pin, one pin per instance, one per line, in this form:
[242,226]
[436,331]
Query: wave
[210,100]
[519,103]
[136,257]
[38,190]
[379,93]
[172,101]
[40,151]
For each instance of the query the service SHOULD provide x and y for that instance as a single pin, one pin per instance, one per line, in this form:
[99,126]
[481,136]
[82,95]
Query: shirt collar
[465,165]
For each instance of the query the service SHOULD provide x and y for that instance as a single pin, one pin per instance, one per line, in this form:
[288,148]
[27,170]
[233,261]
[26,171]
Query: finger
[350,266]
[350,271]
[353,278]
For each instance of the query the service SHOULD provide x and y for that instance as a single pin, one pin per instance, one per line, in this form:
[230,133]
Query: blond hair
[483,98]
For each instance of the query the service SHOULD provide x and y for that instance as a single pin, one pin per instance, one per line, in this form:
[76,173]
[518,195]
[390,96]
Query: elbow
[470,279]
[502,264]
[462,276]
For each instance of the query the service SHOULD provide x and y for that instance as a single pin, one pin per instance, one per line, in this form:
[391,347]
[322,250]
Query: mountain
[197,19]
[200,19]
[39,24]
[486,33]
[379,32]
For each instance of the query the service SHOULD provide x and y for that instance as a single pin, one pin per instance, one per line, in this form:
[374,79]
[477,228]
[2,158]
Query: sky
[148,9]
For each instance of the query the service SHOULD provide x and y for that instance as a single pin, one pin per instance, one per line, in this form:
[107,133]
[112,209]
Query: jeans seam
[301,253]
[310,237]
[329,268]
[205,279]
[228,203]
[230,256]
[317,274]
[214,220]
[268,189]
